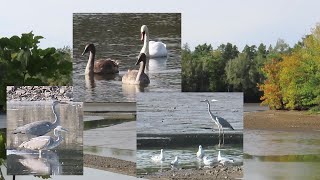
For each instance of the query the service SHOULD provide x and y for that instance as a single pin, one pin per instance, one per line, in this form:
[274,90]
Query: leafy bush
[22,63]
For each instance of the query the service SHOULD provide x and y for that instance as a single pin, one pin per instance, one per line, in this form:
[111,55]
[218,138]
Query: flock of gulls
[133,77]
[39,129]
[222,124]
[200,156]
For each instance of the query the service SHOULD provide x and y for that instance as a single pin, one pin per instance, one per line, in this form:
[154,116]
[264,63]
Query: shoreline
[281,120]
[215,172]
[110,164]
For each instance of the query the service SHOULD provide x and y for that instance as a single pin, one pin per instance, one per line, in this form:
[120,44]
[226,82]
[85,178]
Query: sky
[203,21]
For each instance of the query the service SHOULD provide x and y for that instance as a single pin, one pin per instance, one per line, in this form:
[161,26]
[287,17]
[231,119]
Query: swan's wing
[157,49]
[130,77]
[105,66]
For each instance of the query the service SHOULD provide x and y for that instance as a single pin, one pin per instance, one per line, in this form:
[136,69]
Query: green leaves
[23,63]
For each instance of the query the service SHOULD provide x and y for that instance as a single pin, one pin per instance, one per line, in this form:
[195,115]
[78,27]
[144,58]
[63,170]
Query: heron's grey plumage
[40,128]
[219,121]
[44,142]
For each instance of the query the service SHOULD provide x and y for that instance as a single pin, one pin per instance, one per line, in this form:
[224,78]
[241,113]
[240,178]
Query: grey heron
[200,152]
[44,142]
[219,121]
[40,128]
[158,158]
[224,160]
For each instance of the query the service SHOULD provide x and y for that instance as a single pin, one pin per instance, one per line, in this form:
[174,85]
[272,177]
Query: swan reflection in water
[91,80]
[156,64]
[130,90]
[30,163]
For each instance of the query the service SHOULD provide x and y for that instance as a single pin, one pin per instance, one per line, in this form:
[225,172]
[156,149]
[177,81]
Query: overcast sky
[203,21]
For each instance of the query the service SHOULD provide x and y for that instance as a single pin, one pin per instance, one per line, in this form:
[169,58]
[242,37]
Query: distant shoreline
[281,120]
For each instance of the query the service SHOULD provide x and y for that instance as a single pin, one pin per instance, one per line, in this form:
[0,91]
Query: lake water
[89,173]
[117,36]
[280,154]
[111,138]
[165,113]
[67,158]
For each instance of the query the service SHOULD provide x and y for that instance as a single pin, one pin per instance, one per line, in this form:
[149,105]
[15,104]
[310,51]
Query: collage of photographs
[130,90]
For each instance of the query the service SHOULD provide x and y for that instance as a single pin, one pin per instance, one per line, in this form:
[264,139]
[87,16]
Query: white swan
[137,77]
[151,48]
[200,153]
[158,158]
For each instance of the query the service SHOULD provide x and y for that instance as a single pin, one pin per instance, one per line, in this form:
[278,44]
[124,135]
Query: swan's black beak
[142,36]
[83,52]
[141,57]
[138,61]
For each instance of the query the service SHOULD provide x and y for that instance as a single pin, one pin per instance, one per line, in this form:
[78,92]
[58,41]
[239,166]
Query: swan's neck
[56,121]
[145,48]
[90,64]
[141,70]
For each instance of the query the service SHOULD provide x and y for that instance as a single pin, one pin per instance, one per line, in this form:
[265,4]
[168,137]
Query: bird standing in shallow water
[200,153]
[219,121]
[44,142]
[158,158]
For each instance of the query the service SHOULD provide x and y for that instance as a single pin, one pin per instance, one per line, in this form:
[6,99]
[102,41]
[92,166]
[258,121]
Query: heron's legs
[222,136]
[39,153]
[219,136]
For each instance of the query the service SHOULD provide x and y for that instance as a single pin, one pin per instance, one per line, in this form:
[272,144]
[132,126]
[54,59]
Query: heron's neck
[141,70]
[90,64]
[145,48]
[56,118]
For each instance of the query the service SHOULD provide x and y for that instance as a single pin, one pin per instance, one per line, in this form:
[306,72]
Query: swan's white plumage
[152,49]
[157,49]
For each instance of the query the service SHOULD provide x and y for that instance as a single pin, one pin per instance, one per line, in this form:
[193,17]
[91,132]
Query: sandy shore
[216,172]
[110,164]
[281,120]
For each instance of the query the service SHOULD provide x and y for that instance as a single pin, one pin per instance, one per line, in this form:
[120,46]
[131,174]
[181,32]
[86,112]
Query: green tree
[22,62]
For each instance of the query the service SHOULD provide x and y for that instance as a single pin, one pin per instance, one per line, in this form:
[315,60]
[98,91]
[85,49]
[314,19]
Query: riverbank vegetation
[23,63]
[280,76]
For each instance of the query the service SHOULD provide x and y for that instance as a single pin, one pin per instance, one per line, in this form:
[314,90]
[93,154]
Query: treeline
[281,76]
[23,63]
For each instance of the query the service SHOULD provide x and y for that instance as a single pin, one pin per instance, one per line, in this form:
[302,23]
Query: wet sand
[281,120]
[215,172]
[110,164]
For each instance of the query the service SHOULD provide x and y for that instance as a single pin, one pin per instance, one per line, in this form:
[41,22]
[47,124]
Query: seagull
[175,162]
[224,160]
[158,158]
[200,152]
[207,161]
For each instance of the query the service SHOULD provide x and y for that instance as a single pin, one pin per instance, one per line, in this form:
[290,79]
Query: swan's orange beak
[142,36]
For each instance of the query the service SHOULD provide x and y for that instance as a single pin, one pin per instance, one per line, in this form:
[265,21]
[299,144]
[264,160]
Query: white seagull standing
[207,161]
[158,158]
[200,153]
[224,160]
[175,162]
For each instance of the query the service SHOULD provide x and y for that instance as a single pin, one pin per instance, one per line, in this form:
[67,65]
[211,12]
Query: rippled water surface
[281,154]
[117,36]
[67,158]
[184,113]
